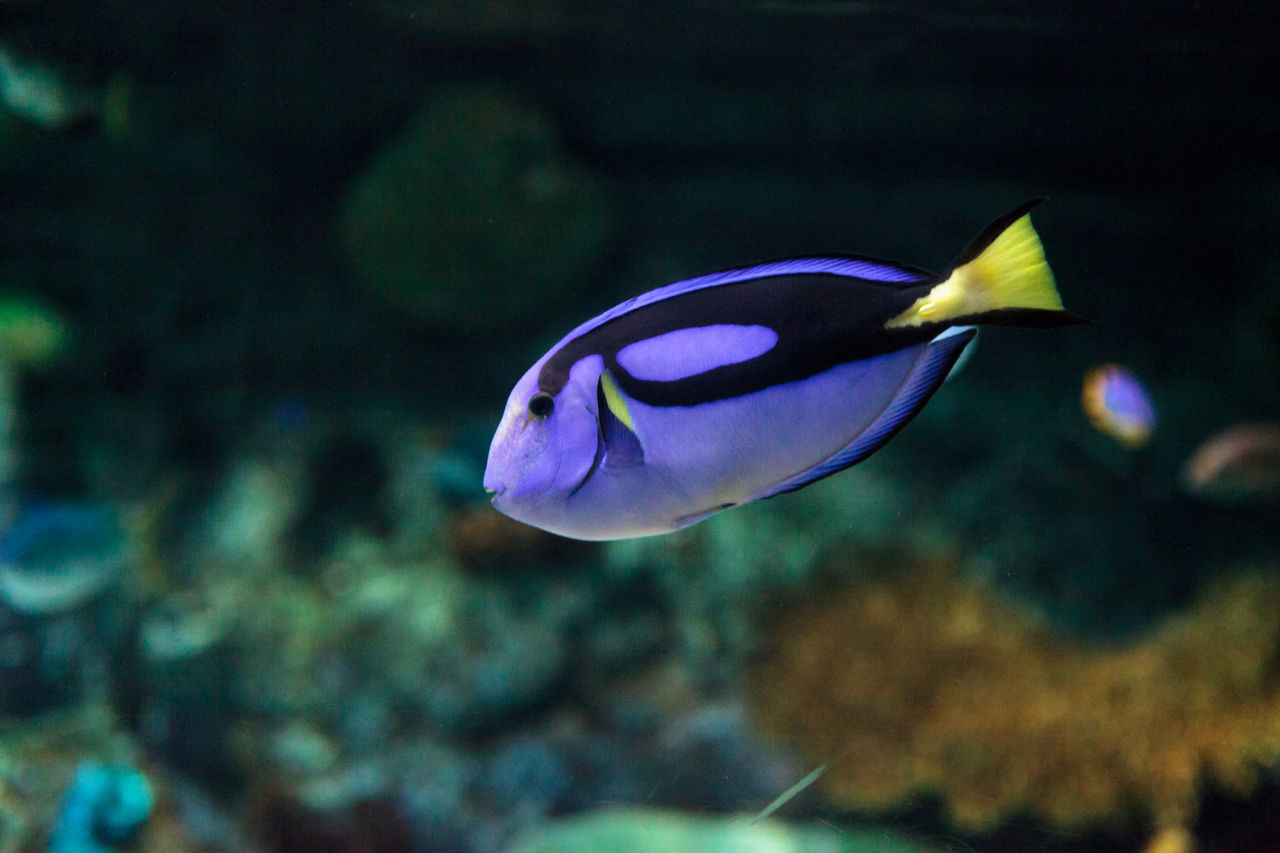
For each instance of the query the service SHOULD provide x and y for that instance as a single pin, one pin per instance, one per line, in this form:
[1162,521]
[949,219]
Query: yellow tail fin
[1003,269]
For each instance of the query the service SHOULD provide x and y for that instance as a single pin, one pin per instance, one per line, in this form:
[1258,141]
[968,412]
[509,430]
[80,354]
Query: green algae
[658,831]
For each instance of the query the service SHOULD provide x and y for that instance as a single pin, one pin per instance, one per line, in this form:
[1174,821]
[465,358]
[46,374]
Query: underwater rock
[347,489]
[58,628]
[484,539]
[425,477]
[623,642]
[247,523]
[681,745]
[301,750]
[735,765]
[714,576]
[461,653]
[56,557]
[379,640]
[283,634]
[526,776]
[923,685]
[50,663]
[187,663]
[474,218]
[284,825]
[432,784]
[37,761]
[656,831]
[186,625]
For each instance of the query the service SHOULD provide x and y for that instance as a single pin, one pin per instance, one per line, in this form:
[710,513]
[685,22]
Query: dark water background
[200,250]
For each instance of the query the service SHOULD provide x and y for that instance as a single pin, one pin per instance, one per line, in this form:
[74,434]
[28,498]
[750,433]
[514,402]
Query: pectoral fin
[622,447]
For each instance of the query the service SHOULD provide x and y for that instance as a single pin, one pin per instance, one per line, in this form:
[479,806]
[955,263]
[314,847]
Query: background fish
[1118,405]
[1240,464]
[745,384]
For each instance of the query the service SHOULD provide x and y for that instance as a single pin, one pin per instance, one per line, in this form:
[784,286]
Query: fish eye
[540,405]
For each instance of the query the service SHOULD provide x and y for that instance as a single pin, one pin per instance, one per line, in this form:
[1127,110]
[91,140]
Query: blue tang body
[745,384]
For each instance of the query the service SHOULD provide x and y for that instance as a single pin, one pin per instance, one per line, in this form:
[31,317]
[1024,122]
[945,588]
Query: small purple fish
[1118,405]
[745,384]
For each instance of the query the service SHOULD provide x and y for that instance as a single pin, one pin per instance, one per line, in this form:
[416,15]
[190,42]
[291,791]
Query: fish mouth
[494,486]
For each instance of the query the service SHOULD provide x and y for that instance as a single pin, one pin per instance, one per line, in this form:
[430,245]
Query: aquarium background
[268,271]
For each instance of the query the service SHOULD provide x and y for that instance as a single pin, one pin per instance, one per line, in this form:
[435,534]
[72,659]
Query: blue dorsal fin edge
[869,269]
[622,448]
[890,273]
[926,376]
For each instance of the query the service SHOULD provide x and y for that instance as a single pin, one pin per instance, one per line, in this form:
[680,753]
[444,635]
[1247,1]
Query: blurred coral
[103,807]
[32,334]
[75,781]
[659,831]
[43,94]
[1173,839]
[56,557]
[481,537]
[475,217]
[924,685]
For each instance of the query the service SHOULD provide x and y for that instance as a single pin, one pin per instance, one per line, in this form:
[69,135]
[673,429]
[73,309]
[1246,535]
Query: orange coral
[924,684]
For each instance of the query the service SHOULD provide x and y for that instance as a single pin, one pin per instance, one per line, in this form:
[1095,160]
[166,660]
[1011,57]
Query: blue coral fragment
[104,807]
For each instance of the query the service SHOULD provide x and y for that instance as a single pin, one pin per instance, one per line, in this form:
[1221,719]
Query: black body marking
[822,320]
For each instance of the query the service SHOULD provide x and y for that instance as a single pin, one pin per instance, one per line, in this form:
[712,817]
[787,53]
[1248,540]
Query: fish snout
[494,488]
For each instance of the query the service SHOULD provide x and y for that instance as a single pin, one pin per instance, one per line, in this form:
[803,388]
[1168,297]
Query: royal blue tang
[748,383]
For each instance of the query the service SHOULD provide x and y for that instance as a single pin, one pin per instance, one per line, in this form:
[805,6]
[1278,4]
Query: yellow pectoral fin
[1010,271]
[615,401]
[622,447]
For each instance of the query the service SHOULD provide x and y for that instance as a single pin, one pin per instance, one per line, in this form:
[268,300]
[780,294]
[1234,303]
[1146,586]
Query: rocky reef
[923,685]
